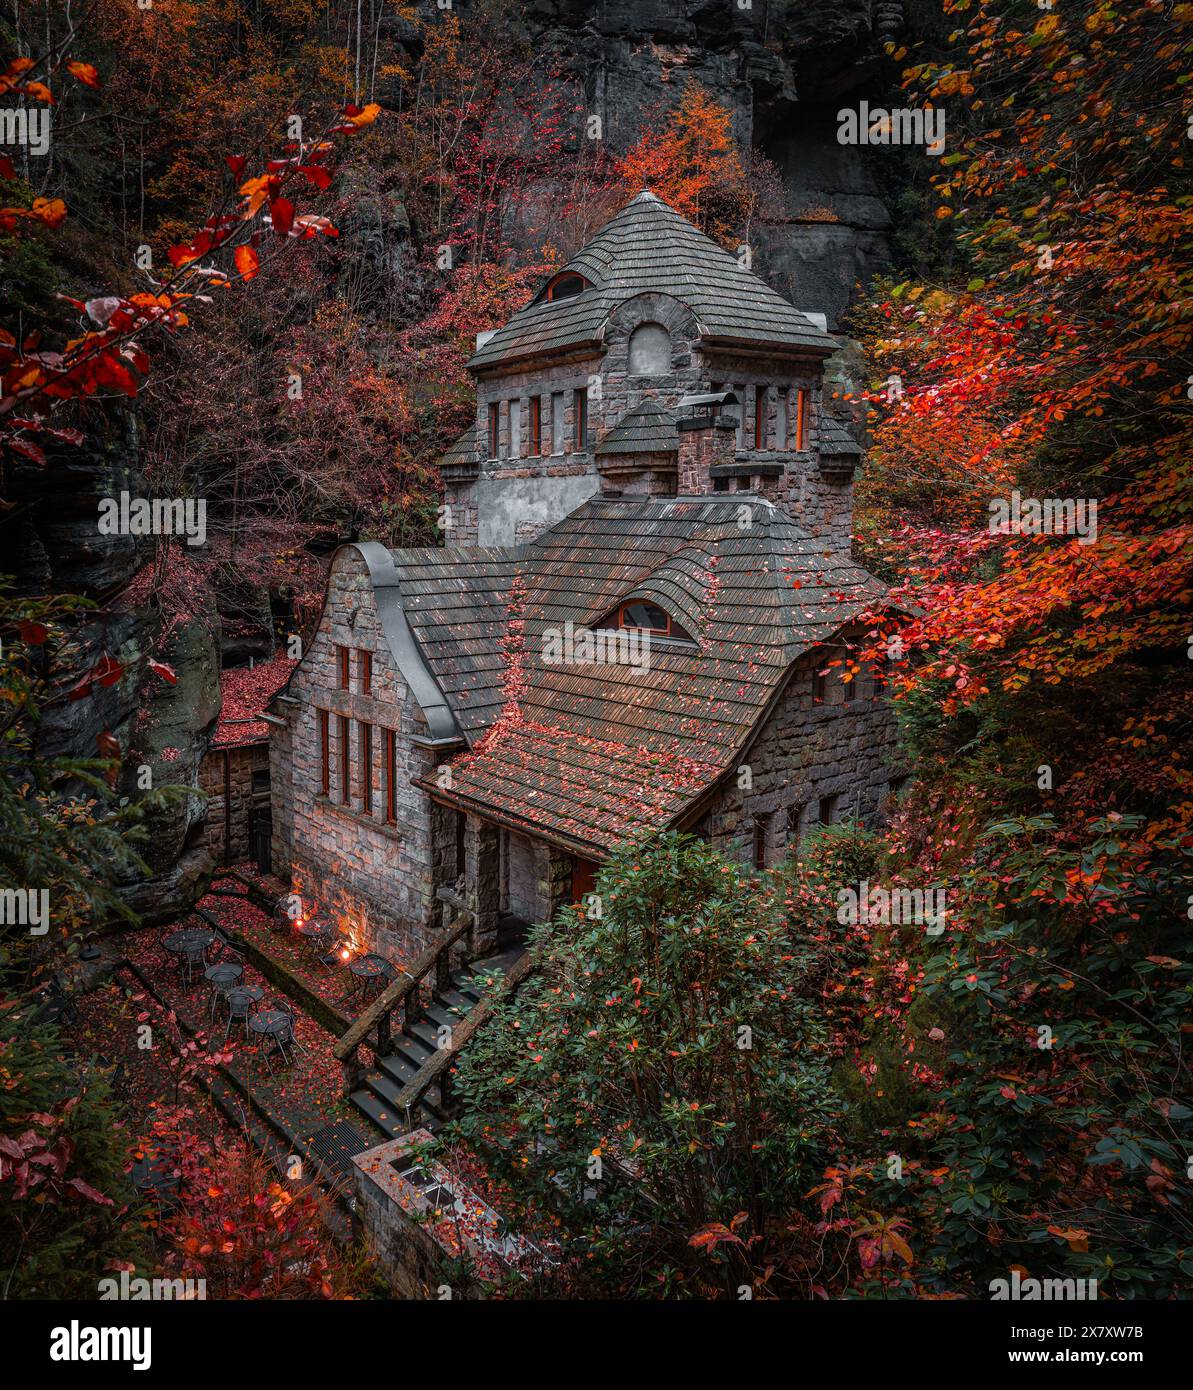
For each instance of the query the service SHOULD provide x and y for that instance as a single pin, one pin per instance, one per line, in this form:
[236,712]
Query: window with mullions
[649,617]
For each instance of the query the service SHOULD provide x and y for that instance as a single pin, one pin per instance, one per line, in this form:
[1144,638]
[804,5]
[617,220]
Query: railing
[403,993]
[438,1066]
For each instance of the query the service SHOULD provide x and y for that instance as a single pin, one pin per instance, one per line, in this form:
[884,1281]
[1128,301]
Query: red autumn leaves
[108,359]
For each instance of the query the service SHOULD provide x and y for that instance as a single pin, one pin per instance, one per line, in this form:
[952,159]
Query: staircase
[414,1046]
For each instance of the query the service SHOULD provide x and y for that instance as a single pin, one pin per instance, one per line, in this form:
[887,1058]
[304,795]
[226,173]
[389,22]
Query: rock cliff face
[783,68]
[57,548]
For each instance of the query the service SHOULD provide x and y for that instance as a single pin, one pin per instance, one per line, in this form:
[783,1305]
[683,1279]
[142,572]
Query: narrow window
[494,429]
[760,842]
[801,419]
[342,666]
[461,824]
[366,768]
[759,417]
[828,809]
[324,754]
[391,776]
[558,409]
[850,686]
[720,484]
[795,819]
[819,686]
[345,759]
[366,672]
[515,429]
[782,405]
[580,412]
[741,417]
[535,446]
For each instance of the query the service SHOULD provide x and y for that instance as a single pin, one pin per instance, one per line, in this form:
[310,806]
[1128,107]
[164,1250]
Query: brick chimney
[705,440]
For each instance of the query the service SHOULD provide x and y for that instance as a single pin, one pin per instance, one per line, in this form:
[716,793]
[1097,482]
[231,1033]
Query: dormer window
[565,286]
[640,613]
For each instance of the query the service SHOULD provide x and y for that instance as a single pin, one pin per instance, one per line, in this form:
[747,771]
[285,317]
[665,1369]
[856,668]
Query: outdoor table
[224,974]
[366,969]
[153,1174]
[188,939]
[187,943]
[271,1023]
[316,934]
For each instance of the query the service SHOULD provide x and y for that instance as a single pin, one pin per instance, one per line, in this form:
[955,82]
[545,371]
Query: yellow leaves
[247,262]
[364,117]
[83,72]
[256,191]
[1078,1240]
[51,211]
[1048,25]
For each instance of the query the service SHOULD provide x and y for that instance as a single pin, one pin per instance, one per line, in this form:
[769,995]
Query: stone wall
[810,749]
[518,495]
[378,879]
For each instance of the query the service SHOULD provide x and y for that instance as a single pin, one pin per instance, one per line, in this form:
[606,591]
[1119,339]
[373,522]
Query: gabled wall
[808,750]
[376,877]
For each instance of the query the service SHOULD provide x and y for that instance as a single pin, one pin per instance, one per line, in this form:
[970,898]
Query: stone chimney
[706,439]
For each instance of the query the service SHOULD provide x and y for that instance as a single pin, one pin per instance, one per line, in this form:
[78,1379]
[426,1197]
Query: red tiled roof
[245,692]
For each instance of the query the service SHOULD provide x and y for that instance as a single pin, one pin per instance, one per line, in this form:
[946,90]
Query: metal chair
[240,1005]
[219,990]
[283,1040]
[221,947]
[193,958]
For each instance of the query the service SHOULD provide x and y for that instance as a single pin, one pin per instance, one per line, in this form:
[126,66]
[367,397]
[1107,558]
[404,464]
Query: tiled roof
[648,428]
[463,450]
[245,693]
[584,752]
[836,439]
[648,247]
[456,601]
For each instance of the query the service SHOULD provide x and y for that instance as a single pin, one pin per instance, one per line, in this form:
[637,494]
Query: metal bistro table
[318,936]
[189,944]
[366,970]
[275,1024]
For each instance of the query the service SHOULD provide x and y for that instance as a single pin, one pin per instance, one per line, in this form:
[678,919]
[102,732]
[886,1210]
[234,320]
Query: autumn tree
[1041,672]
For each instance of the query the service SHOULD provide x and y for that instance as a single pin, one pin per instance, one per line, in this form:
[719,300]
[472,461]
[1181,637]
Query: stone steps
[376,1099]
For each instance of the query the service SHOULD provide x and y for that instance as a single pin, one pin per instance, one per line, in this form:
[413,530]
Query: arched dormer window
[566,285]
[640,614]
[649,350]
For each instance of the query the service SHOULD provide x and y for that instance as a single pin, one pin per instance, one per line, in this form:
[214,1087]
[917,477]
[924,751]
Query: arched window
[566,286]
[650,350]
[645,616]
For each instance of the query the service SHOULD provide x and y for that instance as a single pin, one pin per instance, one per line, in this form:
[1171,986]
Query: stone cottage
[637,620]
[235,770]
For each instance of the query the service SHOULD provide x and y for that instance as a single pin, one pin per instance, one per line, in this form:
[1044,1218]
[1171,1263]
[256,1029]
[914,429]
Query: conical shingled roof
[649,248]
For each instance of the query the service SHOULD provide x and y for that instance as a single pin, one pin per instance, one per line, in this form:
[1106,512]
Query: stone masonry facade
[376,877]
